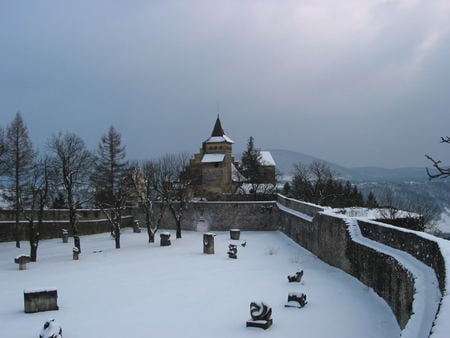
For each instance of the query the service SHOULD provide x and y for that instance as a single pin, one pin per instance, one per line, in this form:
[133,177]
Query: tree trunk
[34,241]
[16,225]
[178,228]
[151,235]
[117,235]
[73,219]
[33,250]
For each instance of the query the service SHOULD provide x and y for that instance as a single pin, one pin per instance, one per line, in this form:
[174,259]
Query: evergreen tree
[251,163]
[18,160]
[287,189]
[371,201]
[110,168]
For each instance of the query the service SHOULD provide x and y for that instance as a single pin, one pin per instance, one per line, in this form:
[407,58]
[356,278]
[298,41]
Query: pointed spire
[218,130]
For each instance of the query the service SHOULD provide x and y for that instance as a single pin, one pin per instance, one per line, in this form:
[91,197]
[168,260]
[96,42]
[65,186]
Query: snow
[236,176]
[373,213]
[213,158]
[266,159]
[42,289]
[443,224]
[427,296]
[219,139]
[146,290]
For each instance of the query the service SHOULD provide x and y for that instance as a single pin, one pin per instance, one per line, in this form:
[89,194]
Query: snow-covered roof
[219,139]
[218,135]
[266,159]
[213,158]
[236,176]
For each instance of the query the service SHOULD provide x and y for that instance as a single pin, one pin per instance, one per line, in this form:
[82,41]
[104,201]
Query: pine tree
[110,168]
[18,160]
[371,201]
[251,162]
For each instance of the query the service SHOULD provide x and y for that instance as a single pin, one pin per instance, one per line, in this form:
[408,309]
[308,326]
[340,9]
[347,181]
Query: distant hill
[286,159]
[408,185]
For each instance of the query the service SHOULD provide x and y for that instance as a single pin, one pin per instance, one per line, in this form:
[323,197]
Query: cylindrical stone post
[235,234]
[208,243]
[65,235]
[165,239]
[136,227]
[76,253]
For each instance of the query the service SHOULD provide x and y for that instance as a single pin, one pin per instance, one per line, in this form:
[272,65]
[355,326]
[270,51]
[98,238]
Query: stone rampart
[52,229]
[327,236]
[425,250]
[205,216]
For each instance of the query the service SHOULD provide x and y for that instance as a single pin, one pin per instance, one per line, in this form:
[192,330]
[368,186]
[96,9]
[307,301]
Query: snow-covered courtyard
[145,290]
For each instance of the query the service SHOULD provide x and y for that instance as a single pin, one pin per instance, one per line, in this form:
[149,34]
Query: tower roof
[218,135]
[218,130]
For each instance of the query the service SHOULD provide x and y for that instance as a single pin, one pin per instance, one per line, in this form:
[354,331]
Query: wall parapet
[300,206]
[330,238]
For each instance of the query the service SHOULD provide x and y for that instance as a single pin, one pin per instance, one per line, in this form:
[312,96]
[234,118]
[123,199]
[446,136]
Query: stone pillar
[65,235]
[136,228]
[208,243]
[165,239]
[76,253]
[235,234]
[22,261]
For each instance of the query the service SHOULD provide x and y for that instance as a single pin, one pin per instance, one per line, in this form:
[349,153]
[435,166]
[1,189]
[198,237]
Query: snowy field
[144,290]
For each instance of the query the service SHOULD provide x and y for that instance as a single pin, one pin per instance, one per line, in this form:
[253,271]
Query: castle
[214,172]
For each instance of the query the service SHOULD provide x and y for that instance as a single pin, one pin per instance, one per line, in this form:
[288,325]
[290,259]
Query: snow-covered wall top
[407,268]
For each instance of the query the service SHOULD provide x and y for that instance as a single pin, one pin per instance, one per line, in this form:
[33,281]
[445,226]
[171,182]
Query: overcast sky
[356,82]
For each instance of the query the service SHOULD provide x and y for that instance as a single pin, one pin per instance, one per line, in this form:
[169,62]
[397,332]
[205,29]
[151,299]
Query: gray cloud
[355,82]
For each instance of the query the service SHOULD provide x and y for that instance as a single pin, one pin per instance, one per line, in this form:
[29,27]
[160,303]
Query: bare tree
[169,184]
[389,204]
[36,201]
[440,171]
[147,181]
[115,211]
[72,164]
[178,183]
[19,155]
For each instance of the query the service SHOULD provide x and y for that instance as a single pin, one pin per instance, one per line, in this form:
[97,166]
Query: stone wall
[425,250]
[56,214]
[303,207]
[327,237]
[52,229]
[206,216]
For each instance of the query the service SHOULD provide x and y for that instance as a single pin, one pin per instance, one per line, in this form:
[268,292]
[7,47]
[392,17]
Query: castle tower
[212,169]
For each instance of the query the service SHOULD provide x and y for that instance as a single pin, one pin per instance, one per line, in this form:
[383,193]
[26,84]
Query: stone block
[37,300]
